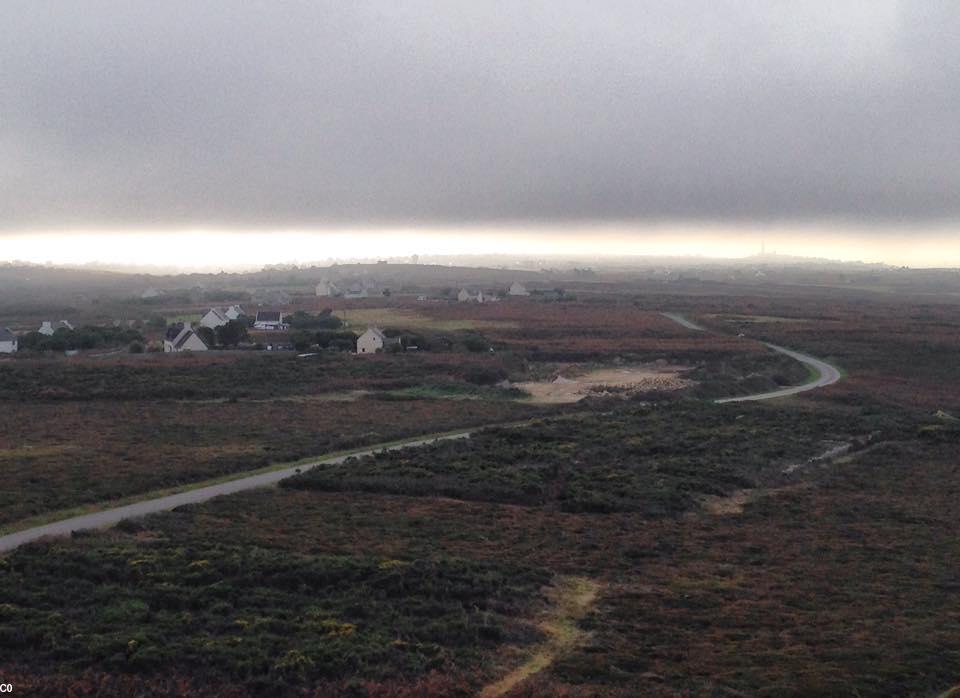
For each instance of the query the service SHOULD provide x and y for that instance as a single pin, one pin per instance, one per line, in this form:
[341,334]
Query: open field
[411,318]
[897,352]
[645,545]
[57,455]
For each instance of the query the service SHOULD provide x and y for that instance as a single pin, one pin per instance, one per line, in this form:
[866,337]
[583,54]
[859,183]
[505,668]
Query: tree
[231,334]
[302,340]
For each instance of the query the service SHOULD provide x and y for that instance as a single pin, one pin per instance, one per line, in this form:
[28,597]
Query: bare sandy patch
[572,388]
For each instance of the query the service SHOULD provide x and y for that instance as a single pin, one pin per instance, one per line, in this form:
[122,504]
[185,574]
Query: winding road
[824,372]
[825,375]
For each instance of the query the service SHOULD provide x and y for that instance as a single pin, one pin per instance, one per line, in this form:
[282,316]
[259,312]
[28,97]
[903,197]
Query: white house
[518,289]
[327,288]
[269,320]
[233,312]
[151,293]
[214,318]
[374,340]
[186,340]
[8,341]
[464,296]
[48,328]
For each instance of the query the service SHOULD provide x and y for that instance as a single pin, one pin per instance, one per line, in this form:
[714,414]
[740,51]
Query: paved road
[826,374]
[680,320]
[109,517]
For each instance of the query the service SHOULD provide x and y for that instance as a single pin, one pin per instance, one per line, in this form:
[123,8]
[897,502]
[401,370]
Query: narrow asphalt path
[680,320]
[109,517]
[825,373]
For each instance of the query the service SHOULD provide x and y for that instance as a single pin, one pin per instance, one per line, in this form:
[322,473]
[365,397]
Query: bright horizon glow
[220,249]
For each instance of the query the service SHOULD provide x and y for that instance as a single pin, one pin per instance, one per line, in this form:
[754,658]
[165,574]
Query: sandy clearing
[567,389]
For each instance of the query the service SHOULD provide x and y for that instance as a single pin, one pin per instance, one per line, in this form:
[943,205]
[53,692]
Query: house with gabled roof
[374,341]
[234,312]
[185,340]
[269,320]
[214,318]
[48,328]
[8,341]
[325,287]
[518,289]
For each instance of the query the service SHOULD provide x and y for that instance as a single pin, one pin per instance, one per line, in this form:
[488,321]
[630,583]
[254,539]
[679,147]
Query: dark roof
[184,336]
[174,330]
[6,335]
[269,316]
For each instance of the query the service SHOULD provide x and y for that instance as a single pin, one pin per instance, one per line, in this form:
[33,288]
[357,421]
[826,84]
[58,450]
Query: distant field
[759,318]
[84,432]
[358,319]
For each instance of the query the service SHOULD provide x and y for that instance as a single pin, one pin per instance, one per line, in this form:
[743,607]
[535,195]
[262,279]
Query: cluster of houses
[326,288]
[49,328]
[184,338]
[9,342]
[466,296]
[216,317]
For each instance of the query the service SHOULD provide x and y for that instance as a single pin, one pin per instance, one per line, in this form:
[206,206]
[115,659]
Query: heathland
[632,543]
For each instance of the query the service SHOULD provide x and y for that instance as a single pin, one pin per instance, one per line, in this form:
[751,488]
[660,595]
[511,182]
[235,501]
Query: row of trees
[86,337]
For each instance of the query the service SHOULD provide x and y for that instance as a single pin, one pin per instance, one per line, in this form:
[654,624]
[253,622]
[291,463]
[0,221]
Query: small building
[269,320]
[325,287]
[374,341]
[48,328]
[518,289]
[151,293]
[466,296]
[185,340]
[234,312]
[8,341]
[214,318]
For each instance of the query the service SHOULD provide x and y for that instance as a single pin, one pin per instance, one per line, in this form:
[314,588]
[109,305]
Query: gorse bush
[254,614]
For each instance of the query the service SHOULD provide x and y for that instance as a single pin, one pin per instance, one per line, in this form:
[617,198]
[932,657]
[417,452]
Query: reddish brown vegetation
[58,455]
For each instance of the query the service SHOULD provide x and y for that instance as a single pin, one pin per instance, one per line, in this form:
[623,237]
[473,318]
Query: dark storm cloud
[266,114]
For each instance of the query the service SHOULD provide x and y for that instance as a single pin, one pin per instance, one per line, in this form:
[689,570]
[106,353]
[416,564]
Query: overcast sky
[134,114]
